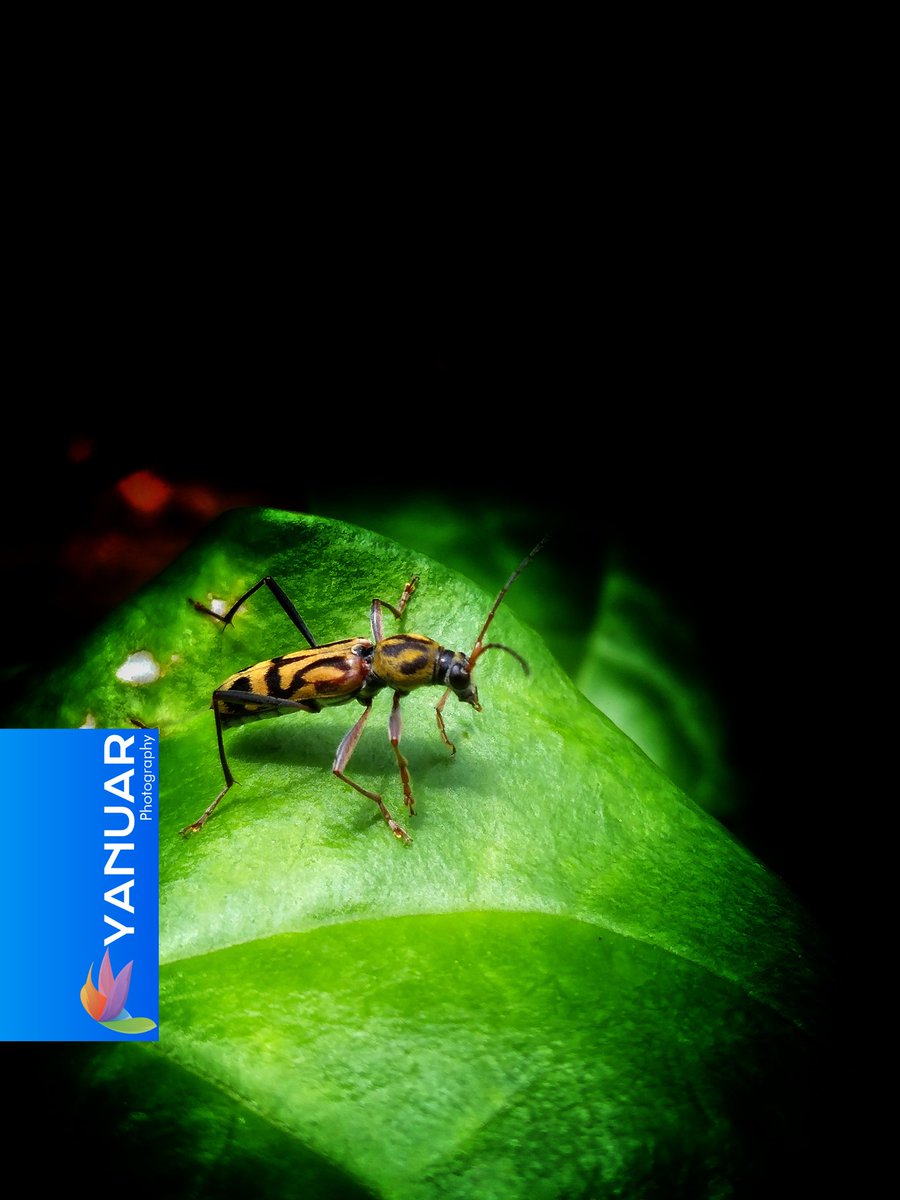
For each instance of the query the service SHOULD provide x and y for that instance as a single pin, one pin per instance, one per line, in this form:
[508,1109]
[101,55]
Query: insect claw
[399,832]
[208,612]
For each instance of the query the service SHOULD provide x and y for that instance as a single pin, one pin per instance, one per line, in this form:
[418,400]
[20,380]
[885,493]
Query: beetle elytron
[354,668]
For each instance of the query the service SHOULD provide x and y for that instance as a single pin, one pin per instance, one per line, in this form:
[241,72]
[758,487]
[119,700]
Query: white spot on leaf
[139,668]
[90,721]
[219,607]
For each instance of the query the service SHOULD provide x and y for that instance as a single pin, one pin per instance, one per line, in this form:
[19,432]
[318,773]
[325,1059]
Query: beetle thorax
[406,661]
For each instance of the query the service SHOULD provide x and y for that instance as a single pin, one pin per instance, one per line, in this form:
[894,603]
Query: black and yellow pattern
[326,675]
[406,661]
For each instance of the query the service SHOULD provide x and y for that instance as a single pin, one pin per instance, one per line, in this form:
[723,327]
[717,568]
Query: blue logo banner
[79,885]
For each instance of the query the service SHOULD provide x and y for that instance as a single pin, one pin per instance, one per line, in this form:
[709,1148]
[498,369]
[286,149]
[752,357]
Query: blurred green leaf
[639,666]
[573,982]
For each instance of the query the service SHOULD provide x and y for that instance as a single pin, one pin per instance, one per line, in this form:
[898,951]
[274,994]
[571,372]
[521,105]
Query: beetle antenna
[478,649]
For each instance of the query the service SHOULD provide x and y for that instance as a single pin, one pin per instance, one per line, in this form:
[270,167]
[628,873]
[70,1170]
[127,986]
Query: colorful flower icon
[106,1002]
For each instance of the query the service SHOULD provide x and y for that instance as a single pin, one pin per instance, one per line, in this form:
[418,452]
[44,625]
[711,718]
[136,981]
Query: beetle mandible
[353,668]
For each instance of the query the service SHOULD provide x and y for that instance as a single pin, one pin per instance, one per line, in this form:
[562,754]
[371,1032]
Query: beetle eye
[458,677]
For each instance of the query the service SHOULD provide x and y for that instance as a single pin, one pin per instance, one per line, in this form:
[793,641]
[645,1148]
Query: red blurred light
[145,491]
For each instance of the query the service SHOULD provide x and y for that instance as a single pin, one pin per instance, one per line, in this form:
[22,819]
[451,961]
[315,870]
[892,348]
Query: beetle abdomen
[327,675]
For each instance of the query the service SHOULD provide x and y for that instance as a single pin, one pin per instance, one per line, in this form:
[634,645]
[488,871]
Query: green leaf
[572,982]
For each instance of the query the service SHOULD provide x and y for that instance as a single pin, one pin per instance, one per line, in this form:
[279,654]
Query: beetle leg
[377,616]
[279,595]
[395,729]
[263,702]
[342,758]
[440,721]
[226,771]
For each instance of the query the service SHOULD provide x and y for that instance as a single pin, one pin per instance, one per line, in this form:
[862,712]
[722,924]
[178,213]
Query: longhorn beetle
[354,668]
